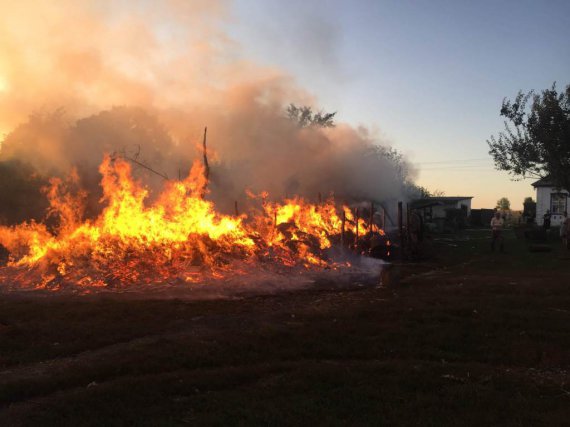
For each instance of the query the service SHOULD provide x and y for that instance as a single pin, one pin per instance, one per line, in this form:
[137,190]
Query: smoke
[82,78]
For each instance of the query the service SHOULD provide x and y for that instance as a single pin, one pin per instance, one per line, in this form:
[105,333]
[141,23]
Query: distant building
[548,197]
[436,207]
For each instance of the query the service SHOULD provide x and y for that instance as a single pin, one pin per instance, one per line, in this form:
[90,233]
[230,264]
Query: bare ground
[469,337]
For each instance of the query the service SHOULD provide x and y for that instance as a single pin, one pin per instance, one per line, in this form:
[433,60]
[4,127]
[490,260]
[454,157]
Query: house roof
[543,182]
[546,182]
[448,199]
[437,201]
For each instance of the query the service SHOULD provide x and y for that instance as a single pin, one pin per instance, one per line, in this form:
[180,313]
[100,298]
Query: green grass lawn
[468,337]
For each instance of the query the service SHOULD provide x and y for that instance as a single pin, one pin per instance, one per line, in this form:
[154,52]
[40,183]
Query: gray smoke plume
[143,79]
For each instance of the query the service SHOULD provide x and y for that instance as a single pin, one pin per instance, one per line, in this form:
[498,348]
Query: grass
[470,338]
[474,246]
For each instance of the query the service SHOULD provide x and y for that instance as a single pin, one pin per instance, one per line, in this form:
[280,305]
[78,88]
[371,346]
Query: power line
[457,167]
[455,161]
[434,167]
[456,170]
[482,167]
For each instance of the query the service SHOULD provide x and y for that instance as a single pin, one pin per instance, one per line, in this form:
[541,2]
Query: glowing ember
[177,238]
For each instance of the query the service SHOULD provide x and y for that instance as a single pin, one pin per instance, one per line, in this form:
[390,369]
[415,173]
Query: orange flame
[178,237]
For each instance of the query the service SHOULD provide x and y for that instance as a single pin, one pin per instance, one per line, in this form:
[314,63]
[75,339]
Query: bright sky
[428,76]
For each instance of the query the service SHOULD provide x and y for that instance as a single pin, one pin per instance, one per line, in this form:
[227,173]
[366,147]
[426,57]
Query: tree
[414,191]
[529,208]
[404,173]
[536,139]
[305,117]
[503,204]
[419,192]
[21,196]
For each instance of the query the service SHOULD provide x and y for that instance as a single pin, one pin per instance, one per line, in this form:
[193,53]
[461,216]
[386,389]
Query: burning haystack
[178,238]
[143,83]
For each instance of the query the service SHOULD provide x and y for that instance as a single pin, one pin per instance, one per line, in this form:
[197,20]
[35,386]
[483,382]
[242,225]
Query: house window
[558,203]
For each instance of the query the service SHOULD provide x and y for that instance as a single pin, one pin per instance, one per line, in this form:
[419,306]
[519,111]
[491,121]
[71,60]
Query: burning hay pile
[179,238]
[125,85]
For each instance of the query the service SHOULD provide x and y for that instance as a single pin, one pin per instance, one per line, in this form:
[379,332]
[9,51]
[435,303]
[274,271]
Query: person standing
[565,231]
[563,228]
[416,234]
[546,217]
[497,232]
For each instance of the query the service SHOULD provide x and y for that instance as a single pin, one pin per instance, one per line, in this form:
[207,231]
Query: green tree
[529,208]
[536,139]
[503,204]
[305,117]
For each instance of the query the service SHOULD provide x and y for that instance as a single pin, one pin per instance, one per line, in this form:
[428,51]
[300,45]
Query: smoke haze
[82,78]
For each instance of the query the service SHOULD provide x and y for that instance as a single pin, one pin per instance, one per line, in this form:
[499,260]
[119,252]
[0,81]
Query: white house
[548,197]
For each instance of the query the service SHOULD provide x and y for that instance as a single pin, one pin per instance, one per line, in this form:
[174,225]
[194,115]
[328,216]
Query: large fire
[179,237]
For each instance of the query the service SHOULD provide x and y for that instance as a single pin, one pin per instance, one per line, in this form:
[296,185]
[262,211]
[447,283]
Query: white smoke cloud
[146,77]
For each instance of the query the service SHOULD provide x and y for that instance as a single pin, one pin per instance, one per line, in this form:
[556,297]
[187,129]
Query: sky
[427,77]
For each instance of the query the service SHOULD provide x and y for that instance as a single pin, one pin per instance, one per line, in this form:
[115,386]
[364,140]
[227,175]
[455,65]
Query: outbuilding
[437,207]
